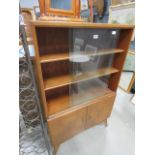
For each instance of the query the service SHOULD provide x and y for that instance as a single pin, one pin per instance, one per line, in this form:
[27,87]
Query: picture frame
[127,82]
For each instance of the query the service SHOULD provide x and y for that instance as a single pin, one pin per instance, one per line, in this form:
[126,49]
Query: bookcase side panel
[38,70]
[119,59]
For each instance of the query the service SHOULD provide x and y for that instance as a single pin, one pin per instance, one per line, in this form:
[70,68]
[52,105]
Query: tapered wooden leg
[105,122]
[55,149]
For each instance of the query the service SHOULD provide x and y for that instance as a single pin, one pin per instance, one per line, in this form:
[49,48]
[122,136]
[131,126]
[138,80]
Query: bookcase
[78,69]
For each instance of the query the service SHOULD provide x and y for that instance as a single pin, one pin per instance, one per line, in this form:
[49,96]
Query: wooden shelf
[58,104]
[54,57]
[65,56]
[65,102]
[63,80]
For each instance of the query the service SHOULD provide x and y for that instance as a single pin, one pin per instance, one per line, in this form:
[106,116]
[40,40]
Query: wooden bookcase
[73,102]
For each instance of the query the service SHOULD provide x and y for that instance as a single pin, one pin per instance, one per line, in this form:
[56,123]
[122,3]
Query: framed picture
[84,5]
[128,75]
[120,2]
[122,14]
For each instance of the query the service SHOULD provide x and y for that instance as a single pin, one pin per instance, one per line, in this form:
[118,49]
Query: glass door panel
[91,57]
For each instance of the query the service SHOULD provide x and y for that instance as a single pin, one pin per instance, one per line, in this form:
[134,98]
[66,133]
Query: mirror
[61,4]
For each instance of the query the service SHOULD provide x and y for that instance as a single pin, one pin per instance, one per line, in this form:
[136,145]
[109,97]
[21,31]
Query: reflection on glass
[61,4]
[89,65]
[87,90]
[89,49]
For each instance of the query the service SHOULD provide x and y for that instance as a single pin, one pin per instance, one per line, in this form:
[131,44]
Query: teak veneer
[58,104]
[70,102]
[59,81]
[65,56]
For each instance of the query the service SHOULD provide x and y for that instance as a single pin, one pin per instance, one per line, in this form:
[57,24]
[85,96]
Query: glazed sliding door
[91,58]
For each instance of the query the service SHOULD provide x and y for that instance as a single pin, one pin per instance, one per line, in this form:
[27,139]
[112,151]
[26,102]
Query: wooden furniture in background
[48,12]
[27,15]
[68,112]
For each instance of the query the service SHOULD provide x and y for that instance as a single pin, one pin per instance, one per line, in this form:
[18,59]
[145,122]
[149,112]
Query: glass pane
[61,4]
[91,57]
[87,90]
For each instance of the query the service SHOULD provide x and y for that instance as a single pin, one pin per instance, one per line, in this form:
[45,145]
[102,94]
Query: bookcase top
[39,23]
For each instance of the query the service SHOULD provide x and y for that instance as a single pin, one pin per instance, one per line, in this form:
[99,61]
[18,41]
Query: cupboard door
[100,110]
[66,126]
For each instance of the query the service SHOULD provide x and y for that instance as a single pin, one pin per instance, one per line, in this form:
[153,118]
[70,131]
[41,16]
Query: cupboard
[78,70]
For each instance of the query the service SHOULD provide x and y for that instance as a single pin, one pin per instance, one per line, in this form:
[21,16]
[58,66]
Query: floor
[116,139]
